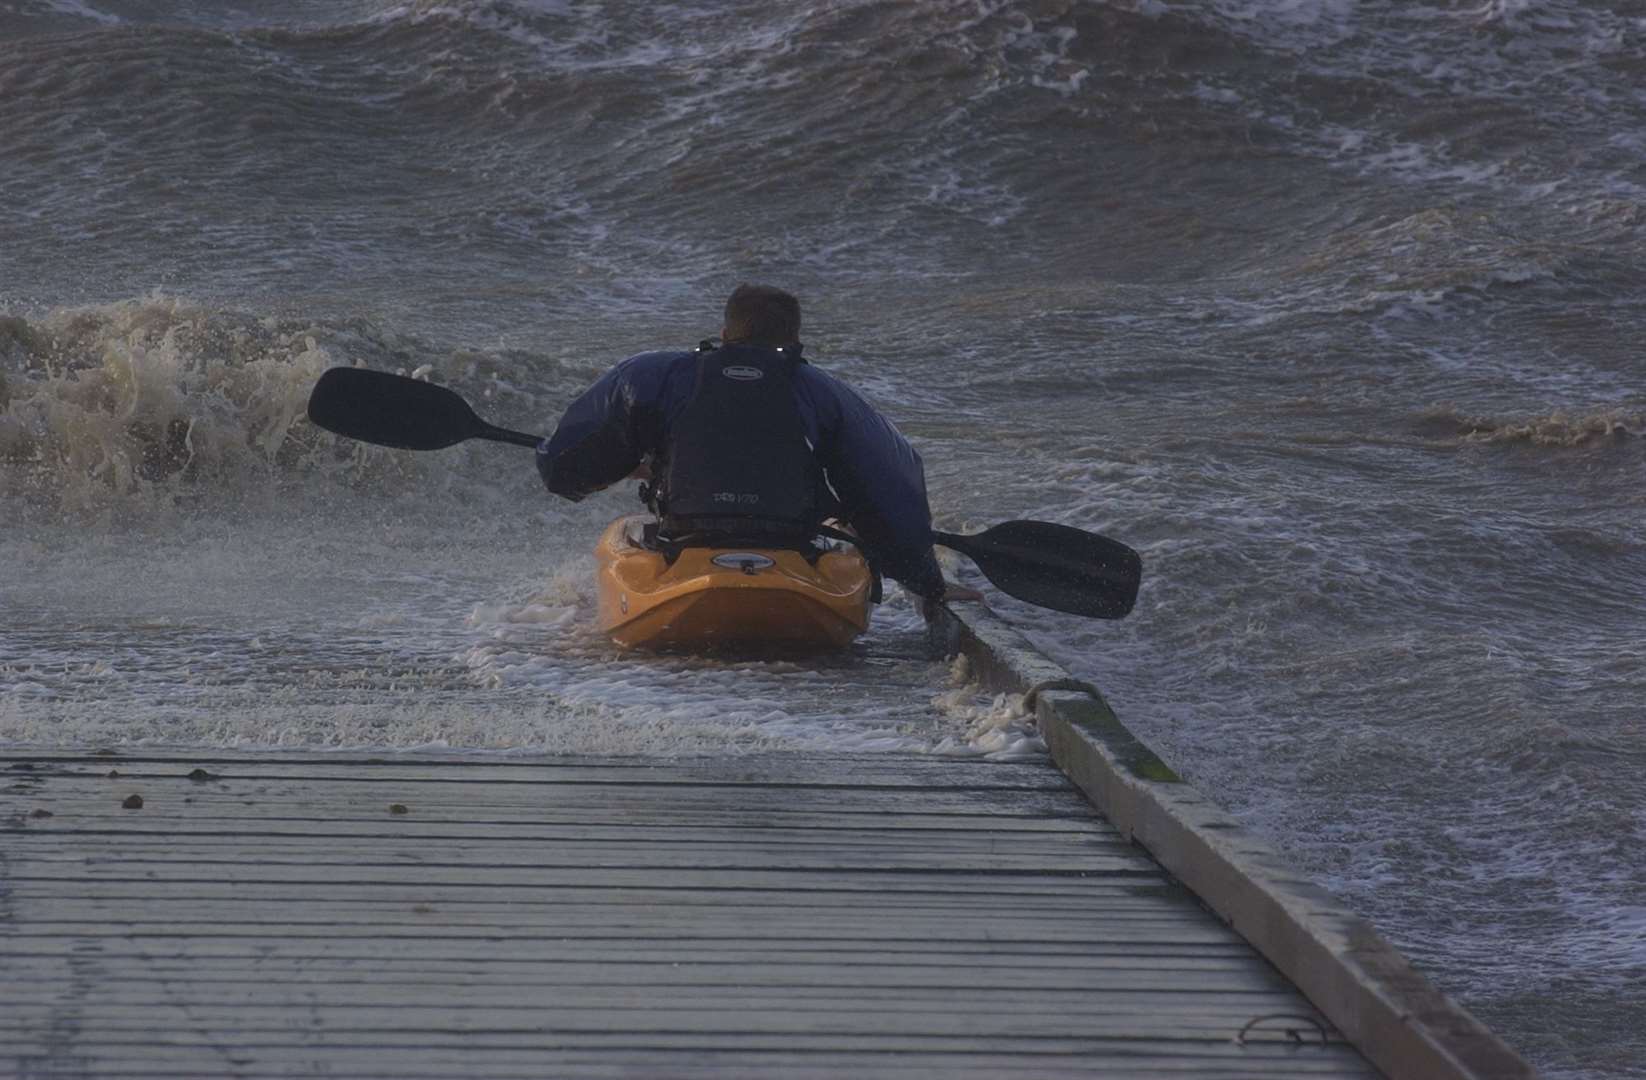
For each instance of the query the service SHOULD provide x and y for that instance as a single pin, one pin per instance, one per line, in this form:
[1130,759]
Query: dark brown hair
[762,315]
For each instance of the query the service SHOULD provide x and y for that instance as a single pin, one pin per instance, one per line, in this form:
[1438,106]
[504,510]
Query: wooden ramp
[460,916]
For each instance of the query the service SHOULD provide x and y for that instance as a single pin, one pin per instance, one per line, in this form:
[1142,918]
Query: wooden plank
[1079,896]
[973,847]
[70,905]
[660,879]
[127,894]
[633,930]
[300,977]
[247,812]
[405,1061]
[499,859]
[1122,936]
[948,1035]
[1277,1053]
[333,799]
[402,895]
[892,1067]
[488,767]
[1001,857]
[580,958]
[579,805]
[861,772]
[361,1008]
[137,952]
[869,970]
[376,820]
[101,816]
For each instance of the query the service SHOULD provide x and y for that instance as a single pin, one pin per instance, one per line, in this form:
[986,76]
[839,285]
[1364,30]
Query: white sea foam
[1556,429]
[995,726]
[361,630]
[145,404]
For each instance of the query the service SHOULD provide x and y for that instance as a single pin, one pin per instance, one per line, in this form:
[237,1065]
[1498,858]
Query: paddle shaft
[1052,566]
[504,435]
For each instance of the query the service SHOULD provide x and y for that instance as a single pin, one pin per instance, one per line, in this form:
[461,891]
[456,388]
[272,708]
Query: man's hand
[951,591]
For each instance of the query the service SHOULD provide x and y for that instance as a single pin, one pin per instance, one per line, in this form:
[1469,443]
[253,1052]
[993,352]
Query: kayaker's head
[761,315]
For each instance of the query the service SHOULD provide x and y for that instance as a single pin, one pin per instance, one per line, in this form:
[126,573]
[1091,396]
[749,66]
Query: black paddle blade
[1055,566]
[391,410]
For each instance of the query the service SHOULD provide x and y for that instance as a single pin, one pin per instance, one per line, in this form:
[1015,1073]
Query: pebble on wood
[398,808]
[133,802]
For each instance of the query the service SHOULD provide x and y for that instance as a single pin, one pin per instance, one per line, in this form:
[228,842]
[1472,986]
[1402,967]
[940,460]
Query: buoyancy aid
[736,459]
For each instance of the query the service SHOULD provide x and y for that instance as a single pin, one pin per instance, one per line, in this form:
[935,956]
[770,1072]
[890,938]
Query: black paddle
[1052,566]
[392,410]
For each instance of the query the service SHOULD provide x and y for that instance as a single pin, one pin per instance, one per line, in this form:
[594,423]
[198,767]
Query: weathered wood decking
[773,916]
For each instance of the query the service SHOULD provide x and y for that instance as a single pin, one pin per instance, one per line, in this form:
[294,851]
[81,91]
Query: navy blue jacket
[877,475]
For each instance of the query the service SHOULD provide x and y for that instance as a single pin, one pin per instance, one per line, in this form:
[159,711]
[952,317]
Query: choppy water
[1332,308]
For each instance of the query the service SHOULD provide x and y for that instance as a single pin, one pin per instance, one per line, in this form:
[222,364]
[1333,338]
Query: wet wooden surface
[764,916]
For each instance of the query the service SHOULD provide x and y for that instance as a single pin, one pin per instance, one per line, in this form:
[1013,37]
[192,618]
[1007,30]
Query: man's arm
[881,482]
[606,433]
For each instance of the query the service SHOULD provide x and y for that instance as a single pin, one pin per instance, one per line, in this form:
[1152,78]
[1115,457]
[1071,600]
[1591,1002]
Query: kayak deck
[711,597]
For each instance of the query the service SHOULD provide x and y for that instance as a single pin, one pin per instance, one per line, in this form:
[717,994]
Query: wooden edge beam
[1398,1019]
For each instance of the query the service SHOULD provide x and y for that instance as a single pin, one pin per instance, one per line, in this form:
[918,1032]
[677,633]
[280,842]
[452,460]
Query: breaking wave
[1559,429]
[161,400]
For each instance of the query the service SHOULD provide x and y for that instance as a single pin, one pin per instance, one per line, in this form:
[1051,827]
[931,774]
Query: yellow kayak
[708,597]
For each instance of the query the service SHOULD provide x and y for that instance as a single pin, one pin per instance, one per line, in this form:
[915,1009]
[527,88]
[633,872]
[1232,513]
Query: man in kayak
[745,442]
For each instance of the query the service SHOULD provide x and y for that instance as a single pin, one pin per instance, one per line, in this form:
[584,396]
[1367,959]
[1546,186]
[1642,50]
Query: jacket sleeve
[607,431]
[881,483]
